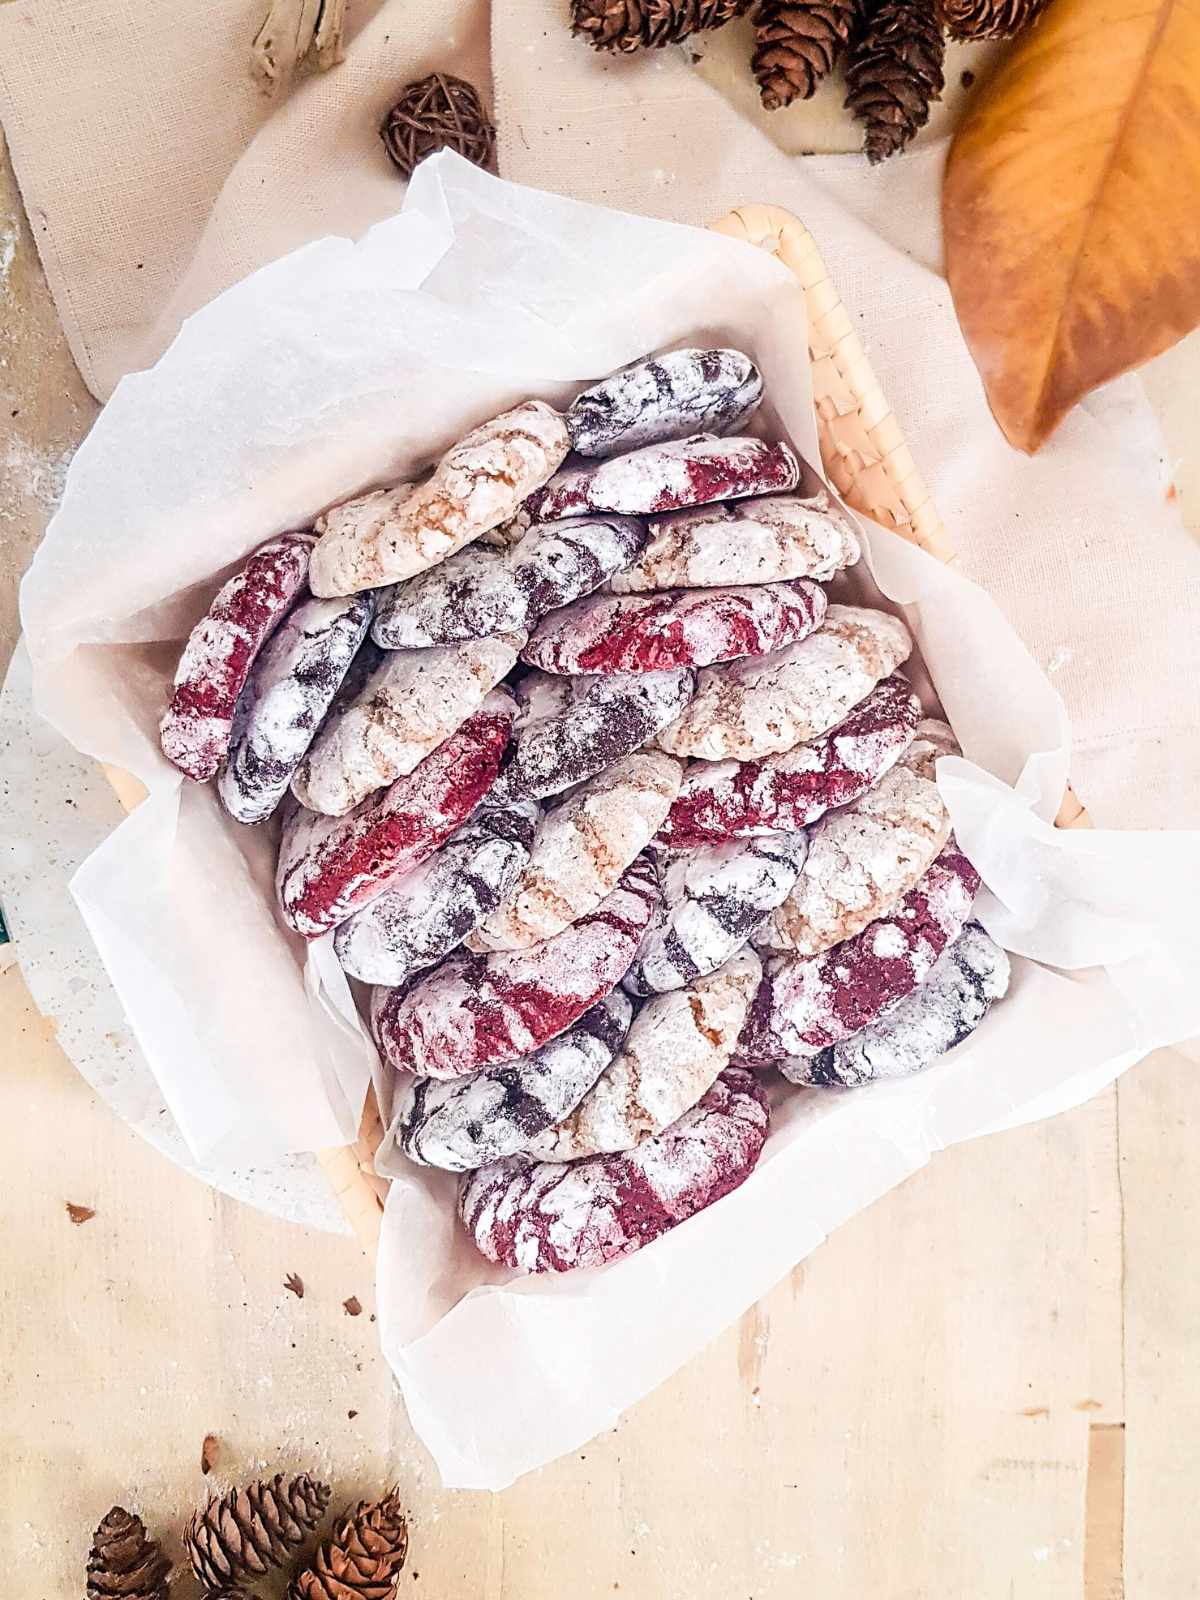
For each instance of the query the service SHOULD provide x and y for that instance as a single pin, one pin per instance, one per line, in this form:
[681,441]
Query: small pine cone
[989,19]
[362,1558]
[124,1562]
[894,73]
[638,24]
[248,1531]
[798,42]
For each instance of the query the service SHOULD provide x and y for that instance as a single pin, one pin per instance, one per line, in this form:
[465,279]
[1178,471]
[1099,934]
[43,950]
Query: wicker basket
[863,455]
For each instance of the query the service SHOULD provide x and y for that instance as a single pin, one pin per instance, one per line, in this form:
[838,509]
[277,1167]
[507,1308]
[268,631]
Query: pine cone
[249,1530]
[894,72]
[798,43]
[989,19]
[636,24]
[363,1557]
[124,1562]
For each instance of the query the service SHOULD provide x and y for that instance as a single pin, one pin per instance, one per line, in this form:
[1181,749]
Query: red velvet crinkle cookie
[664,397]
[664,477]
[767,540]
[303,669]
[477,1010]
[573,728]
[483,591]
[216,661]
[653,633]
[555,1216]
[430,910]
[330,867]
[806,1003]
[721,800]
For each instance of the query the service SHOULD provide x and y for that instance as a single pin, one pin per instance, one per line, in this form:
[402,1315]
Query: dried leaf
[210,1453]
[295,1283]
[79,1214]
[1070,206]
[353,1306]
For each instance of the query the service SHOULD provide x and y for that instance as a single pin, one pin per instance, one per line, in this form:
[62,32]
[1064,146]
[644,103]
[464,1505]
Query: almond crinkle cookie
[390,534]
[752,708]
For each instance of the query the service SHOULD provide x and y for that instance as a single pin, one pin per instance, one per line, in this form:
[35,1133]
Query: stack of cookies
[616,813]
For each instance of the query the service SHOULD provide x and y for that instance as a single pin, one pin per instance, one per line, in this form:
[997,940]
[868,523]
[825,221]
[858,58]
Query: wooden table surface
[984,1388]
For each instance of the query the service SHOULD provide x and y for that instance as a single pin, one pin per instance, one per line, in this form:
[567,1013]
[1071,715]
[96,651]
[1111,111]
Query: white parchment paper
[347,364]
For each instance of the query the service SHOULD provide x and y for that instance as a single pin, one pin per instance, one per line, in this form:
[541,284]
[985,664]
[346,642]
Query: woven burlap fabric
[155,175]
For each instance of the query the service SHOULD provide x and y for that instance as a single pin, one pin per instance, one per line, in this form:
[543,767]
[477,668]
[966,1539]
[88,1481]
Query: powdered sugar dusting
[665,397]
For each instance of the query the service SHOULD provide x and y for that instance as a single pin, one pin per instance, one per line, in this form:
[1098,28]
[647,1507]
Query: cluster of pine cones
[239,1537]
[893,49]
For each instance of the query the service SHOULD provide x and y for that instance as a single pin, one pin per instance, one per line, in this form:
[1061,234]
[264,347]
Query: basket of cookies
[560,817]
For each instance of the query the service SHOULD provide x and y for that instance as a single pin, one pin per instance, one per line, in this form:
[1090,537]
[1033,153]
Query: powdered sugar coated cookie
[431,909]
[748,709]
[390,534]
[752,541]
[677,1045]
[665,397]
[295,680]
[581,848]
[475,1011]
[966,979]
[864,858]
[414,701]
[653,633]
[553,1217]
[713,899]
[216,661]
[573,728]
[330,867]
[463,1123]
[720,800]
[482,591]
[663,477]
[808,1002]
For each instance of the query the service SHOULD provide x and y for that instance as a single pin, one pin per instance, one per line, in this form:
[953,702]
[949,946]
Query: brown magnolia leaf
[1071,206]
[79,1214]
[210,1453]
[295,1283]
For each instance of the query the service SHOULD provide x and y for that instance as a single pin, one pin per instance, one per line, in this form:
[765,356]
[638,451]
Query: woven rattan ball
[438,113]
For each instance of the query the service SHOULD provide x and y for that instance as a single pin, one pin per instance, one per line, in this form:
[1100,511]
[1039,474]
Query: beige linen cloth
[155,175]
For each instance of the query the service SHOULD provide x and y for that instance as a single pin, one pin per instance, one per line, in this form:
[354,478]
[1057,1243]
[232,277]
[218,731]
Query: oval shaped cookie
[720,800]
[663,477]
[808,1002]
[330,867]
[653,633]
[482,591]
[677,1045]
[555,1216]
[664,397]
[581,848]
[965,980]
[462,1123]
[573,728]
[405,710]
[295,680]
[766,540]
[197,725]
[431,909]
[754,708]
[713,900]
[475,1011]
[480,482]
[864,858]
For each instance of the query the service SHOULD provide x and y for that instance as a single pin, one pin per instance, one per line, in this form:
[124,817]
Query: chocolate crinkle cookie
[554,1216]
[432,909]
[966,979]
[467,1122]
[483,591]
[665,397]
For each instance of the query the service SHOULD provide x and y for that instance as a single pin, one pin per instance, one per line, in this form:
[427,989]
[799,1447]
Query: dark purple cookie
[665,397]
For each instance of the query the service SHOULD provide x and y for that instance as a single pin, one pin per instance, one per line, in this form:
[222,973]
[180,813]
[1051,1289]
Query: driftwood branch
[294,31]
